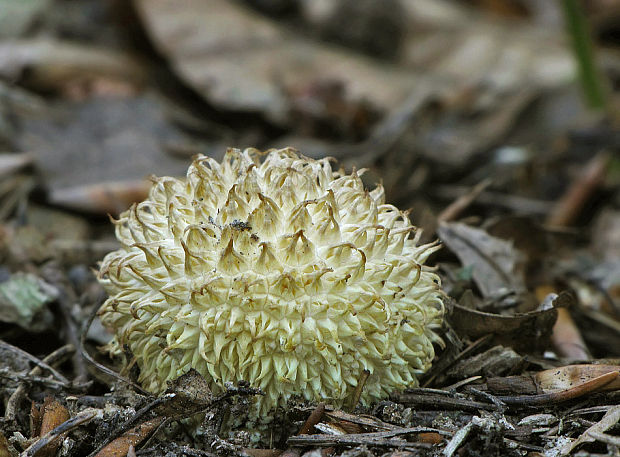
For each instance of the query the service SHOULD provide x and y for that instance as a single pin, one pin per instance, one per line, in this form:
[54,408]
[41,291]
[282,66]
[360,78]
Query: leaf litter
[468,116]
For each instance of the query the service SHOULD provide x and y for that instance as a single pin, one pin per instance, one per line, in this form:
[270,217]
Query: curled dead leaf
[51,415]
[528,332]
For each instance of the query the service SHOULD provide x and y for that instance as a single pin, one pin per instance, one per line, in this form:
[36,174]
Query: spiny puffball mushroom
[276,270]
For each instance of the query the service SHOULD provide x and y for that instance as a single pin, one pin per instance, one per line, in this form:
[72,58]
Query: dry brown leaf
[458,43]
[120,446]
[98,141]
[53,414]
[243,61]
[497,267]
[570,376]
[240,60]
[567,339]
[5,450]
[53,64]
[528,332]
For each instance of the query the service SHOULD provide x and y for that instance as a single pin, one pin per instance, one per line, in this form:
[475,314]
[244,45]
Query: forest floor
[468,112]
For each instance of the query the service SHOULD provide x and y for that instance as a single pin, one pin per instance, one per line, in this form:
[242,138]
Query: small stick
[8,373]
[454,209]
[580,190]
[359,388]
[457,439]
[35,360]
[369,439]
[15,398]
[487,396]
[268,453]
[461,383]
[498,199]
[313,419]
[369,422]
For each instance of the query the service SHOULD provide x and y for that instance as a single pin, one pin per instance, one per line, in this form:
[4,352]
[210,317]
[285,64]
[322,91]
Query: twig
[609,420]
[163,423]
[461,383]
[589,410]
[177,449]
[498,199]
[580,190]
[15,398]
[253,452]
[364,421]
[35,360]
[361,382]
[441,402]
[378,439]
[457,439]
[313,419]
[429,391]
[8,373]
[388,132]
[454,209]
[22,187]
[487,396]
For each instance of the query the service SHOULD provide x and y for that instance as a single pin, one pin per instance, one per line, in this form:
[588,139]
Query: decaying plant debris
[467,113]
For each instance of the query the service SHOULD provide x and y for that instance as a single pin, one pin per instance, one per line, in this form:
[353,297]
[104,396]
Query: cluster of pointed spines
[281,272]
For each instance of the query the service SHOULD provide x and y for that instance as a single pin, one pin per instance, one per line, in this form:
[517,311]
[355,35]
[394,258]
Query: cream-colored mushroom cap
[276,270]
